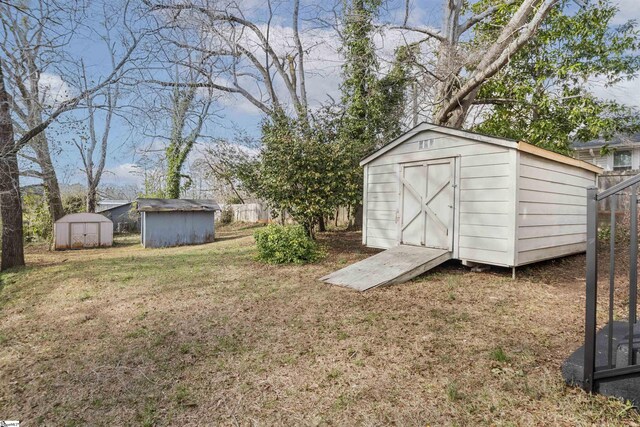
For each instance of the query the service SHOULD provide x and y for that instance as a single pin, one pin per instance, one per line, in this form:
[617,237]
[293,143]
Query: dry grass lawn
[206,335]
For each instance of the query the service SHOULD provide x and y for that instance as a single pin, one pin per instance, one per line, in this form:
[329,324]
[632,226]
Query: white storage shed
[483,199]
[82,230]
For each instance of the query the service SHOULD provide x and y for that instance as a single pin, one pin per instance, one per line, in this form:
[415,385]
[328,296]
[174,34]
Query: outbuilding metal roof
[110,206]
[83,217]
[179,205]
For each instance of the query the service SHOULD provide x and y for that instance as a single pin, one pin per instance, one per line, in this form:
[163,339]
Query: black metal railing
[593,373]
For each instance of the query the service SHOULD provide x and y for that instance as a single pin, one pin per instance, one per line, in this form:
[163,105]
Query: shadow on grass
[167,267]
[223,237]
[344,242]
[126,240]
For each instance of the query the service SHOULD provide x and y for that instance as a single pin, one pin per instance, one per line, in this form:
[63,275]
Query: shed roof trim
[173,205]
[504,142]
[425,126]
[552,155]
[83,217]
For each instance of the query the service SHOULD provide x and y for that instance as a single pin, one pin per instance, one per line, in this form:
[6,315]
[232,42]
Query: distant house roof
[173,205]
[106,208]
[617,141]
[107,204]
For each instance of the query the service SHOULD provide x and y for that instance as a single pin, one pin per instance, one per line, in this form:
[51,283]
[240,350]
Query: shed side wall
[162,229]
[485,232]
[106,234]
[552,213]
[61,232]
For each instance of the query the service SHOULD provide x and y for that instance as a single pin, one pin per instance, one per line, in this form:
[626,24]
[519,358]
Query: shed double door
[84,234]
[427,203]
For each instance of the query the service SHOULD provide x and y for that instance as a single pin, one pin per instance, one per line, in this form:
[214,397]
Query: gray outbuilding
[124,218]
[176,222]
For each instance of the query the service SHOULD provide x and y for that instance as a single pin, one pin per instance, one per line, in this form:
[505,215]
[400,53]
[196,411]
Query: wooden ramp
[395,265]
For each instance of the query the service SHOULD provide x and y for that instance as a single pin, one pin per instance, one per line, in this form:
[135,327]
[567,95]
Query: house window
[622,160]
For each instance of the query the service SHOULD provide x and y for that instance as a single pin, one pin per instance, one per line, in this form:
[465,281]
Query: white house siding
[485,205]
[552,212]
[606,162]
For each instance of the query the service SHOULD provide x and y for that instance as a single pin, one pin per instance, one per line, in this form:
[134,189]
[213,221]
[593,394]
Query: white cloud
[53,89]
[629,10]
[625,92]
[123,174]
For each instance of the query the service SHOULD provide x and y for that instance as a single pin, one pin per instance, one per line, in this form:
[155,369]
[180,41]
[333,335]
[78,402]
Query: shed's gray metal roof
[183,205]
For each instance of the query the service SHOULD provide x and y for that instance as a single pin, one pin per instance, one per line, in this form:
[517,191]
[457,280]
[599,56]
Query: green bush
[278,244]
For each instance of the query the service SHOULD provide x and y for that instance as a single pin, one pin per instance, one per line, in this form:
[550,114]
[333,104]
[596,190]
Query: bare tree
[31,43]
[221,162]
[93,149]
[175,119]
[10,145]
[245,57]
[190,108]
[87,147]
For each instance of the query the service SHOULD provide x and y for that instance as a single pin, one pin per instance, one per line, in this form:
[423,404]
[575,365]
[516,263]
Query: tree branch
[422,30]
[499,53]
[482,16]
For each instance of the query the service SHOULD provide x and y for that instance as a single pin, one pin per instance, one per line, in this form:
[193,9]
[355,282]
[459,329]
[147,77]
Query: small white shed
[483,199]
[82,230]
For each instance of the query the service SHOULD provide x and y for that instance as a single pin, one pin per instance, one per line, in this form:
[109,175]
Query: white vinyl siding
[485,206]
[593,156]
[606,162]
[551,209]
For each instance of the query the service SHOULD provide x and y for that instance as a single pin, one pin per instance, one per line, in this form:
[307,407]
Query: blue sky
[236,113]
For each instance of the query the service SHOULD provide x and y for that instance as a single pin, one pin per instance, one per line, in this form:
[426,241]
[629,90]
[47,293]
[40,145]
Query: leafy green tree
[298,170]
[373,105]
[543,94]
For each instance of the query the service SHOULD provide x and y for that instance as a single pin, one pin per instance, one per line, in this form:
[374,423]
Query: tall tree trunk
[448,64]
[39,143]
[172,190]
[49,178]
[91,197]
[321,224]
[10,201]
[355,222]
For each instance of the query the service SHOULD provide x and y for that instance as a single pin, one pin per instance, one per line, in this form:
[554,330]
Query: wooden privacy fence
[249,212]
[258,212]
